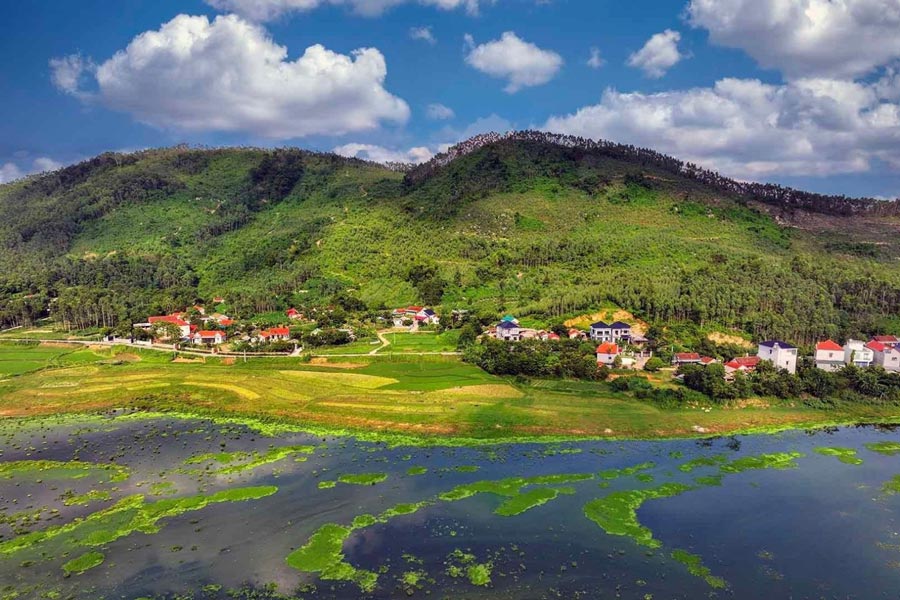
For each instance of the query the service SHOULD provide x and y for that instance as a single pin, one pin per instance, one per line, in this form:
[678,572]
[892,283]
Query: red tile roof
[168,319]
[876,346]
[828,345]
[608,348]
[707,360]
[743,362]
[886,339]
[210,333]
[686,356]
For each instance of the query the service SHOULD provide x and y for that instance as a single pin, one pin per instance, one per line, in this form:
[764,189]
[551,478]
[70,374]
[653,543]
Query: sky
[800,92]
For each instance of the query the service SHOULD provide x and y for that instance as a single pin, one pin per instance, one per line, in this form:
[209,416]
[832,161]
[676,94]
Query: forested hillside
[541,226]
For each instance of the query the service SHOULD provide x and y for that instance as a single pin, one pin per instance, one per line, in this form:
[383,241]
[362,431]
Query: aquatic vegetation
[219,457]
[710,480]
[126,516]
[530,499]
[327,485]
[466,469]
[509,487]
[892,486]
[323,553]
[87,498]
[363,478]
[696,567]
[845,455]
[776,460]
[886,448]
[55,469]
[83,563]
[702,461]
[617,513]
[462,564]
[272,456]
[617,473]
[480,574]
[416,471]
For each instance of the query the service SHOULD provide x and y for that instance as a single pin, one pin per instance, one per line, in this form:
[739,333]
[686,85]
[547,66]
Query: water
[821,529]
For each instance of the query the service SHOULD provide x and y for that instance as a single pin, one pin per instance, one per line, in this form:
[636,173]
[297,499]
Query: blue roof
[779,343]
[509,318]
[599,325]
[507,325]
[620,325]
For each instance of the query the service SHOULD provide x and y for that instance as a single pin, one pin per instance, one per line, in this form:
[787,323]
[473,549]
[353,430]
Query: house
[707,360]
[218,300]
[208,337]
[601,332]
[200,309]
[275,334]
[829,356]
[225,321]
[607,352]
[686,358]
[888,340]
[414,314]
[781,354]
[553,337]
[887,357]
[856,353]
[508,331]
[174,319]
[741,364]
[577,334]
[294,314]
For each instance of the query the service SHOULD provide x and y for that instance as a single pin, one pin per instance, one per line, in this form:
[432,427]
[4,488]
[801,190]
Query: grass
[423,341]
[435,397]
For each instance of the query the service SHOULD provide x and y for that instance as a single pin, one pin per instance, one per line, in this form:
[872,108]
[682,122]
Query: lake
[136,506]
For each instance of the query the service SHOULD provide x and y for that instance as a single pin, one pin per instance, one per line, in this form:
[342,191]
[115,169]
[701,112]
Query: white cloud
[10,171]
[596,60]
[267,10]
[745,128]
[67,73]
[228,75]
[521,63]
[423,33]
[658,55]
[380,154]
[805,38]
[439,112]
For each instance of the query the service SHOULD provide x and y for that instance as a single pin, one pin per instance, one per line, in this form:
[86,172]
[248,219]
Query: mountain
[541,225]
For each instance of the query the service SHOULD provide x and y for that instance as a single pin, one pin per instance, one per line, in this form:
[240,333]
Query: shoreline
[273,427]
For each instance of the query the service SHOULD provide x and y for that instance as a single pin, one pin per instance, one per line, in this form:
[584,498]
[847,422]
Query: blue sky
[802,92]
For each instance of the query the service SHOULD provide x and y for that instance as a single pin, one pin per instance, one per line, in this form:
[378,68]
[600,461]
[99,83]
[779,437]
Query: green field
[425,396]
[423,341]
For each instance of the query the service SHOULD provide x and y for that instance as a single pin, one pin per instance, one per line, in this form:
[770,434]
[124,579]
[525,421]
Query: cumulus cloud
[748,129]
[805,38]
[521,63]
[228,75]
[380,154]
[595,61]
[10,171]
[658,55]
[268,10]
[68,72]
[439,112]
[423,33]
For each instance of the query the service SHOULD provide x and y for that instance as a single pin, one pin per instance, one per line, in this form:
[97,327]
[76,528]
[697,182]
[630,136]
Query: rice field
[425,396]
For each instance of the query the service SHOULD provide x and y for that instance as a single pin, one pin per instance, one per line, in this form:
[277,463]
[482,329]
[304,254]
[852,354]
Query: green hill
[541,226]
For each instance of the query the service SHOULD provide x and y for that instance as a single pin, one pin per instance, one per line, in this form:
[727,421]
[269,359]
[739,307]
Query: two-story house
[887,357]
[829,356]
[856,353]
[602,332]
[781,354]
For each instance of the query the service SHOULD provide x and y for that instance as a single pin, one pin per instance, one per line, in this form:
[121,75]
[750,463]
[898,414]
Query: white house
[601,332]
[887,357]
[856,353]
[275,334]
[607,353]
[508,331]
[209,337]
[176,320]
[414,314]
[781,354]
[829,356]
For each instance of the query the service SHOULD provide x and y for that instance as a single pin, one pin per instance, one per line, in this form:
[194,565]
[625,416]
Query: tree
[654,364]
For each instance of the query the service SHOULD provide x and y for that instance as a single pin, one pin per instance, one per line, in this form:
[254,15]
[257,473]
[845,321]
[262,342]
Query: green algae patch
[223,458]
[324,554]
[480,573]
[466,469]
[886,448]
[83,563]
[126,516]
[617,513]
[55,469]
[363,478]
[617,473]
[530,499]
[327,485]
[509,487]
[87,498]
[891,487]
[710,480]
[845,455]
[702,461]
[260,460]
[776,460]
[412,471]
[696,567]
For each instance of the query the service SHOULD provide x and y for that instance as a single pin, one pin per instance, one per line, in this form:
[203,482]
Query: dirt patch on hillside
[58,345]
[181,359]
[228,360]
[724,338]
[322,361]
[609,315]
[128,357]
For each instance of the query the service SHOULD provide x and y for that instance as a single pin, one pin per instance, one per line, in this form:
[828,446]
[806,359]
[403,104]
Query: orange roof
[279,331]
[226,322]
[706,360]
[687,356]
[743,362]
[828,345]
[876,346]
[210,333]
[608,348]
[168,319]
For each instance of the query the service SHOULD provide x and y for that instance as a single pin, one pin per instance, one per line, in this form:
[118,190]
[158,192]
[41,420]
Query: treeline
[569,359]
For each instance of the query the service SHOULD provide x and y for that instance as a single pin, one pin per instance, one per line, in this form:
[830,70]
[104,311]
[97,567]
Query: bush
[654,364]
